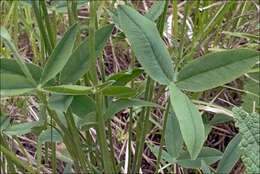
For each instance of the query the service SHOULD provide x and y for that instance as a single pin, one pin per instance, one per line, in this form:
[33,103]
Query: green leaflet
[21,128]
[10,66]
[190,121]
[69,89]
[251,85]
[60,55]
[121,104]
[166,156]
[45,136]
[208,155]
[79,62]
[147,44]
[216,69]
[13,84]
[249,128]
[155,11]
[231,156]
[173,137]
[119,91]
[123,77]
[60,102]
[82,105]
[4,122]
[220,118]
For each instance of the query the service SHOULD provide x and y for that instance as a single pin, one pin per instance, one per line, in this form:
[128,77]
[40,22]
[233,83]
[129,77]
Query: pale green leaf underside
[147,44]
[216,69]
[121,104]
[190,121]
[60,55]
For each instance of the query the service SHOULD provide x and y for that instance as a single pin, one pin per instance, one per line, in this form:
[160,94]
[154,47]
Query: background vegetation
[123,113]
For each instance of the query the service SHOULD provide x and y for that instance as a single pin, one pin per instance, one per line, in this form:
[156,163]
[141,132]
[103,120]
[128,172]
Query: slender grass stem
[165,117]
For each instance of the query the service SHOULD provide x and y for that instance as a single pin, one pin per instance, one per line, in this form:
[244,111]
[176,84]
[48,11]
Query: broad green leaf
[46,136]
[220,118]
[156,10]
[173,136]
[10,66]
[147,44]
[119,91]
[60,102]
[69,89]
[249,128]
[60,55]
[121,104]
[21,128]
[209,155]
[231,156]
[82,105]
[190,121]
[13,84]
[4,122]
[123,77]
[216,69]
[79,62]
[252,85]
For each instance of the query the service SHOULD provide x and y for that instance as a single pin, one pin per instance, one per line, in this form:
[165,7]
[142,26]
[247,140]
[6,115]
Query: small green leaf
[231,156]
[220,118]
[147,44]
[79,62]
[21,128]
[173,136]
[4,34]
[119,91]
[60,102]
[45,136]
[4,122]
[121,104]
[156,10]
[82,105]
[13,84]
[209,155]
[190,121]
[216,69]
[166,156]
[69,89]
[60,55]
[123,77]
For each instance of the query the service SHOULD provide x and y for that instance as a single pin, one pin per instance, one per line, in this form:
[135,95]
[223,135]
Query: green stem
[162,136]
[108,165]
